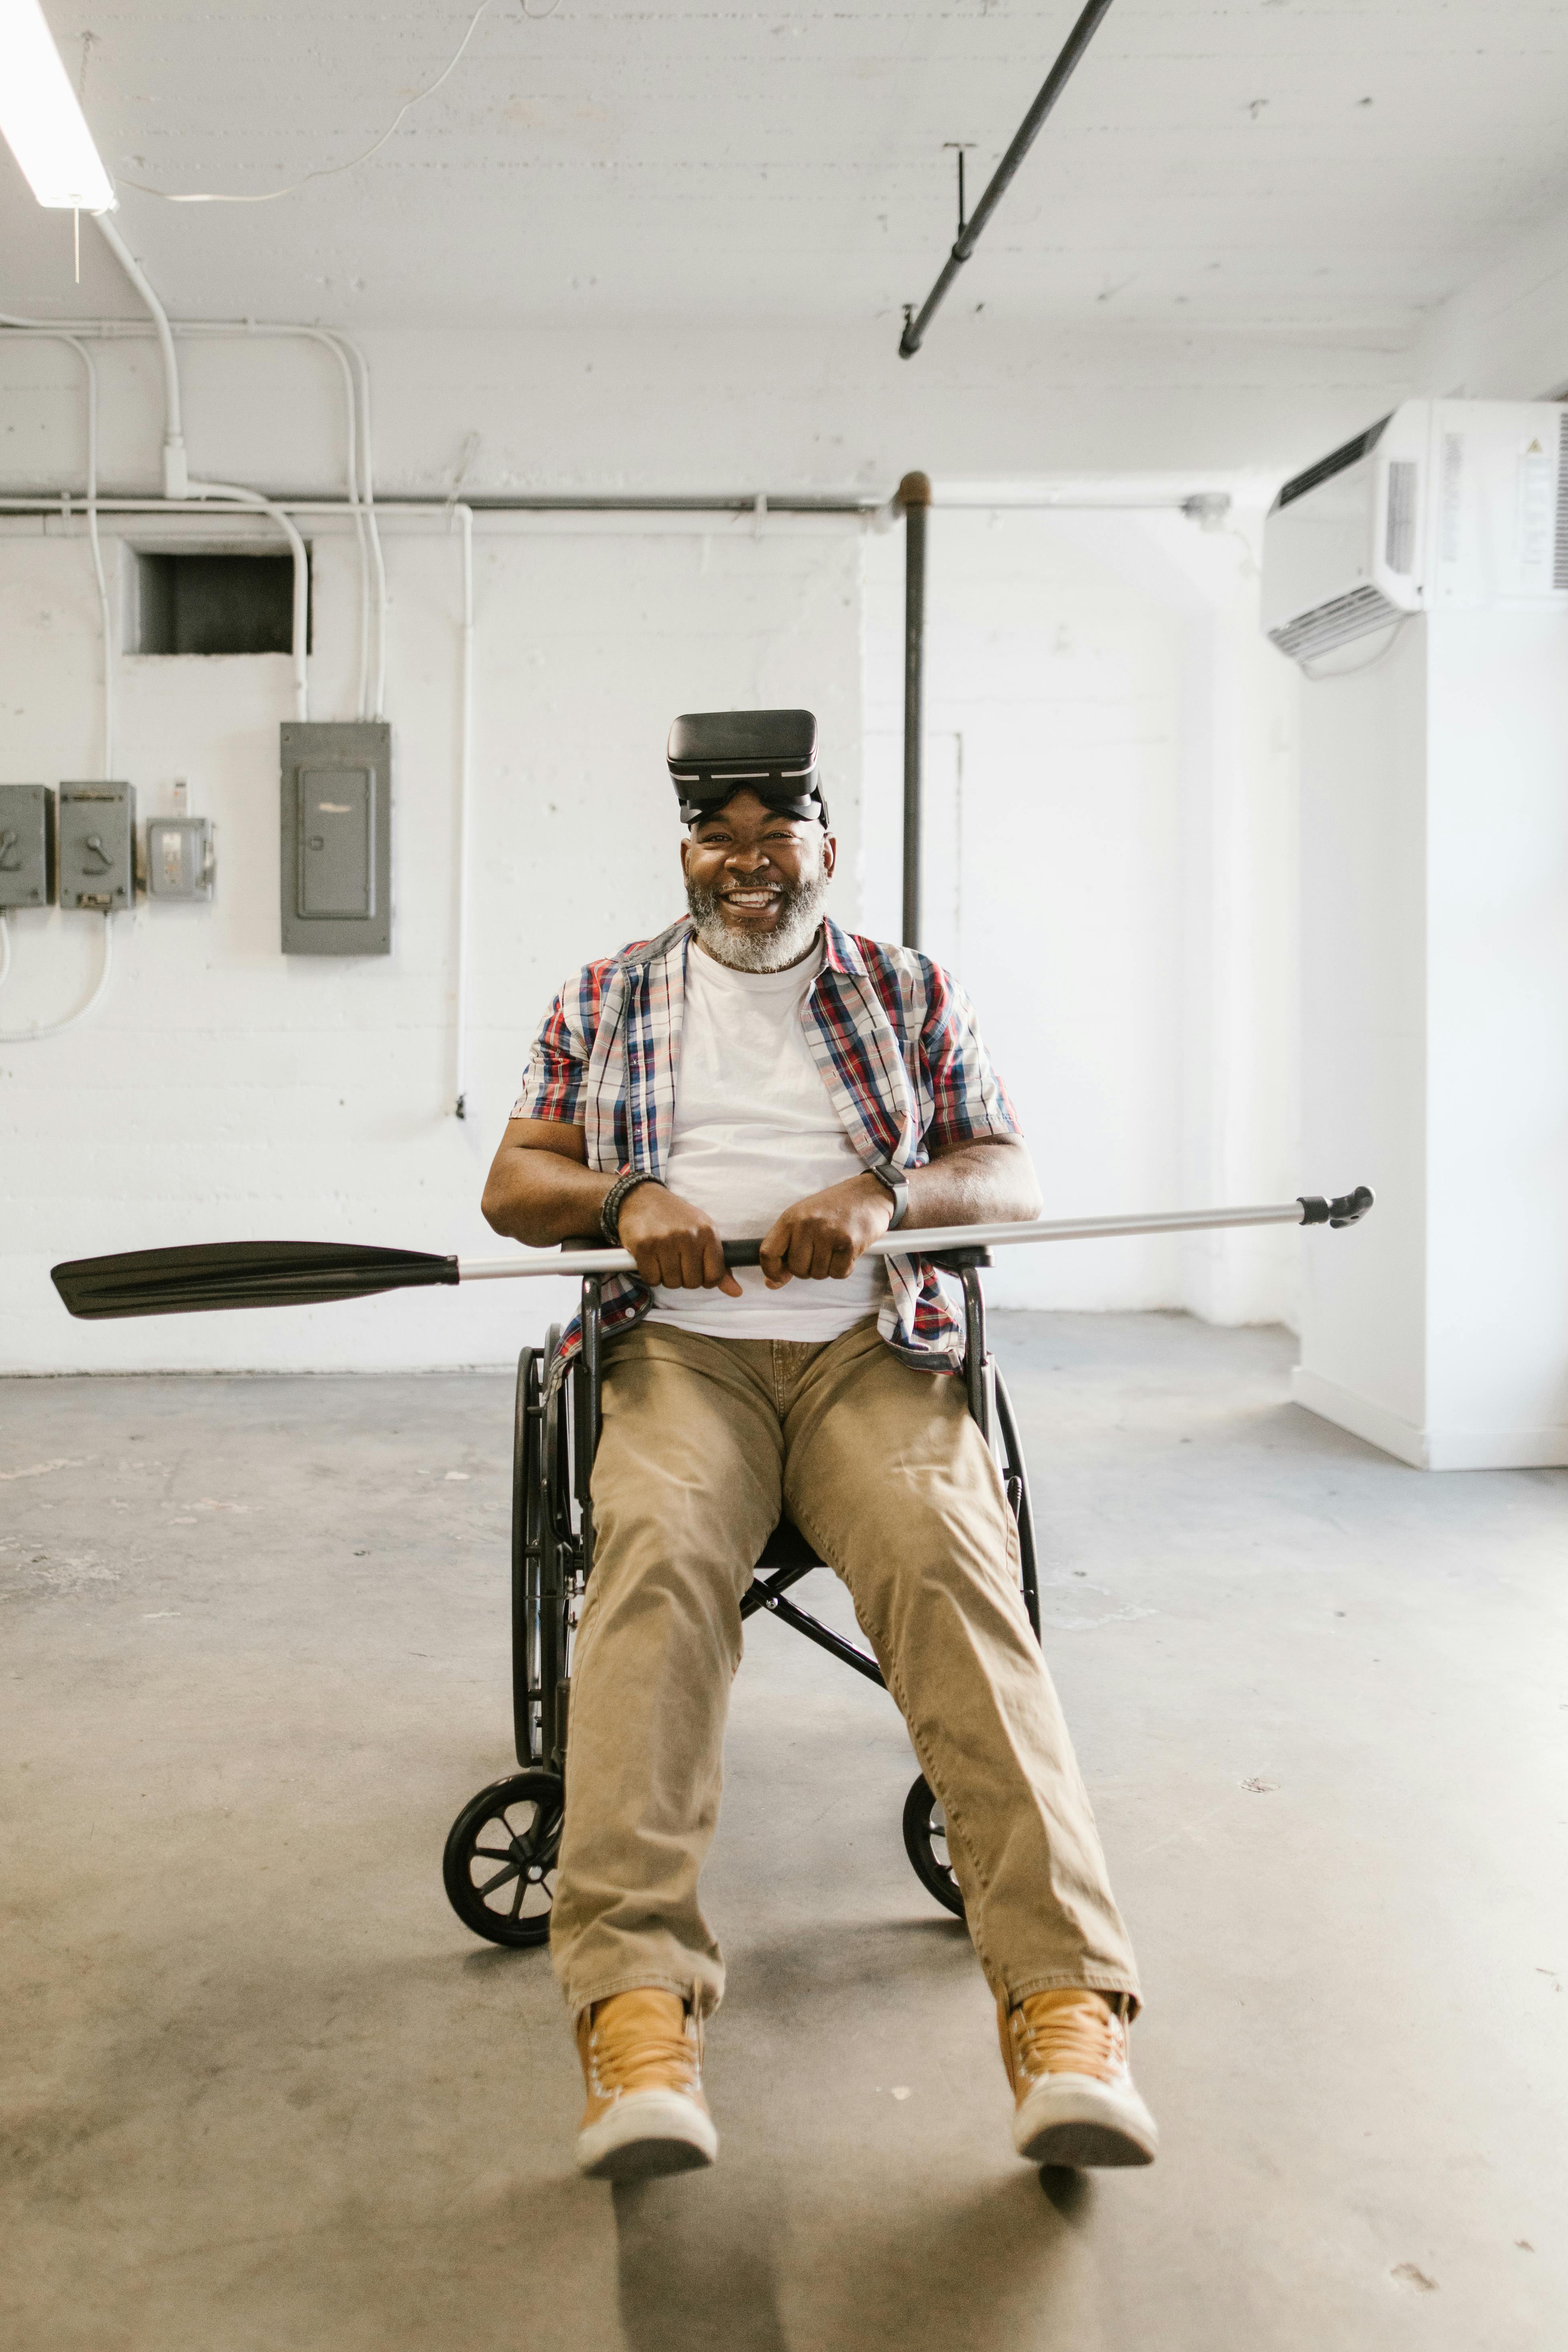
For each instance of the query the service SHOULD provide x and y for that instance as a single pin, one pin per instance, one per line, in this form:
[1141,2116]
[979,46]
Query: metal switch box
[97,845]
[26,846]
[337,839]
[180,858]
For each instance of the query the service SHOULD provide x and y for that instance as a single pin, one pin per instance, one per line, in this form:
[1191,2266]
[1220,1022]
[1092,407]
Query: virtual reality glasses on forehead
[714,754]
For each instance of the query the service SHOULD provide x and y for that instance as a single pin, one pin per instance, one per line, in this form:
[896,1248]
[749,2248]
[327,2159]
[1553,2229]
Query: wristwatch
[894,1181]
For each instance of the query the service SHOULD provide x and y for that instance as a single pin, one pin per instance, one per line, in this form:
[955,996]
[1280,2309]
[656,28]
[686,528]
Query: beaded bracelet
[626,1183]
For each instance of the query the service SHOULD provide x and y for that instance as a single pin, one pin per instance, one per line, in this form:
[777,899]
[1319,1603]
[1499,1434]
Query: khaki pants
[882,1470]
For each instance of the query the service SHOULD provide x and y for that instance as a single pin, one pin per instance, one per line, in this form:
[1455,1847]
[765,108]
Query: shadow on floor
[695,2268]
[1003,2270]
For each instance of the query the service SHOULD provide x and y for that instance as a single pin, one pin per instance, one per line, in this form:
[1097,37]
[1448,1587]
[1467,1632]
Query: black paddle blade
[240,1274]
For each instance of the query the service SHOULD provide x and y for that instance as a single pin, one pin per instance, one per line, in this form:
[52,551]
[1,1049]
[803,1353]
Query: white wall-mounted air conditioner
[1449,503]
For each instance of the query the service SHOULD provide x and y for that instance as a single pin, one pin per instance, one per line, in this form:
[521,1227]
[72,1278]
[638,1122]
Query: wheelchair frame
[555,1434]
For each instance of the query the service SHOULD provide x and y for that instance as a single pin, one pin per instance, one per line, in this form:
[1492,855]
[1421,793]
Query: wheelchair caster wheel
[500,1860]
[925,1842]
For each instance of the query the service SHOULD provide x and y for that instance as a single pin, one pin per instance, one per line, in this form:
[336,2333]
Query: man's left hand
[825,1233]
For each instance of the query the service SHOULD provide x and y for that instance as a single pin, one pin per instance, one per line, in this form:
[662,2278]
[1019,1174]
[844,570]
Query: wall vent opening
[208,603]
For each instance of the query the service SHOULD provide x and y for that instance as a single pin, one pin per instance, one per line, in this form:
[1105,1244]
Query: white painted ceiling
[1329,168]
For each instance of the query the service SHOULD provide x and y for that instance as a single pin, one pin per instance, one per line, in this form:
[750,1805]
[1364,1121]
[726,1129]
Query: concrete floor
[263,2094]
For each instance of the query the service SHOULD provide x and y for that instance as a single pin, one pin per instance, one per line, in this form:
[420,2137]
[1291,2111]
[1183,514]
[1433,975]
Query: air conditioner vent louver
[1337,623]
[1399,540]
[1559,552]
[1334,462]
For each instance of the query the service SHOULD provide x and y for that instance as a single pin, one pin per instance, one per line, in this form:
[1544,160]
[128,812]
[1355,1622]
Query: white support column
[1434,937]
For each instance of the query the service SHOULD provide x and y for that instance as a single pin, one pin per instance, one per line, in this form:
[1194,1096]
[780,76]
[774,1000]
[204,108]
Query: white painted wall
[681,407]
[1137,1006]
[1113,773]
[225,1091]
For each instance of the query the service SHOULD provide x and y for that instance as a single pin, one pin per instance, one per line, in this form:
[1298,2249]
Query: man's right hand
[677,1247]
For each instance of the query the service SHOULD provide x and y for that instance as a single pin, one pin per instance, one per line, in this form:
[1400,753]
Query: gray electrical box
[97,845]
[180,858]
[26,846]
[337,839]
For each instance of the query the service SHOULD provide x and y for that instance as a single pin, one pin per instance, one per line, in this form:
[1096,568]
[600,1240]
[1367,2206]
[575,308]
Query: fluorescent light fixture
[44,126]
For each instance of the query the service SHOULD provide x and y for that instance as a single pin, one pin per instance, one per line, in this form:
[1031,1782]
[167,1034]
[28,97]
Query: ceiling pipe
[970,232]
[913,500]
[871,510]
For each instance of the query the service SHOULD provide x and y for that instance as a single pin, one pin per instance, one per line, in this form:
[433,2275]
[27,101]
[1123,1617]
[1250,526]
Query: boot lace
[1073,2037]
[636,2054]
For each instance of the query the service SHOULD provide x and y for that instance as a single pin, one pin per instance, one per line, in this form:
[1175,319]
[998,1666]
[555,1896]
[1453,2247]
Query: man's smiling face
[755,881]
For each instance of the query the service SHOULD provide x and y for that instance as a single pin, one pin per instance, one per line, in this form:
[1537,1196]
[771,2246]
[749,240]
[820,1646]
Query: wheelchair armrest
[959,1261]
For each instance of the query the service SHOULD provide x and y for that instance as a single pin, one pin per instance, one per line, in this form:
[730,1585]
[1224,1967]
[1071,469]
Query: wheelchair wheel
[925,1842]
[499,1862]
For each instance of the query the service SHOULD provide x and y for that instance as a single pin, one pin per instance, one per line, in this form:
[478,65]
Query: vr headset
[714,754]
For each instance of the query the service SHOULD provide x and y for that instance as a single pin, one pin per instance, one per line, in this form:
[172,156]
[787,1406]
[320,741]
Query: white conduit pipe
[175,476]
[464,515]
[377,561]
[231,493]
[57,1028]
[358,500]
[37,331]
[105,626]
[332,342]
[54,1028]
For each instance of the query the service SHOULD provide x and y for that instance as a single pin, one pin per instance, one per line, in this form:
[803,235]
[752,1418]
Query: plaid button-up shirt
[892,1034]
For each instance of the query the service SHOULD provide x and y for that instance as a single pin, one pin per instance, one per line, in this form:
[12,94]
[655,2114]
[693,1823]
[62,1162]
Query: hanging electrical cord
[57,1028]
[327,171]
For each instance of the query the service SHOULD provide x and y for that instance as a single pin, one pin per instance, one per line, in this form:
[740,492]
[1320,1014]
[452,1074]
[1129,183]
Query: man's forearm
[990,1182]
[542,1198]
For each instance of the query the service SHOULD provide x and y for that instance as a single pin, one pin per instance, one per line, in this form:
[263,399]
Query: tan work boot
[1075,2101]
[642,2061]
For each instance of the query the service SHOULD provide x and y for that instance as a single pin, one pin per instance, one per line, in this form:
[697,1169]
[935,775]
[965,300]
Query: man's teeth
[751,897]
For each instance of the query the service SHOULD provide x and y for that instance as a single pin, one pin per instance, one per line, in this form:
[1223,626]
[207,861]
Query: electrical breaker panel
[26,846]
[180,858]
[97,846]
[337,839]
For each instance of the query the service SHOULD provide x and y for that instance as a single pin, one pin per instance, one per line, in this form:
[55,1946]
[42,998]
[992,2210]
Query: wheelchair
[500,1853]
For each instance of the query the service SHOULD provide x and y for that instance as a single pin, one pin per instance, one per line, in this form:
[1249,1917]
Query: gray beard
[800,918]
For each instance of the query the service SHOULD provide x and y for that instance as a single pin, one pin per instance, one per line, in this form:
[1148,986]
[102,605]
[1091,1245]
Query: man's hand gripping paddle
[205,1275]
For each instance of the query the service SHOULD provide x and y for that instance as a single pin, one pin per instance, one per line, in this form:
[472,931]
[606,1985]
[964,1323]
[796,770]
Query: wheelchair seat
[788,1548]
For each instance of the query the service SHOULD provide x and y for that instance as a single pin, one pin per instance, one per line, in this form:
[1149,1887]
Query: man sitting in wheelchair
[752,1070]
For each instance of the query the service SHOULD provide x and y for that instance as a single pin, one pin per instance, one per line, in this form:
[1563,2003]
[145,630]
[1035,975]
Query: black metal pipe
[1051,89]
[914,497]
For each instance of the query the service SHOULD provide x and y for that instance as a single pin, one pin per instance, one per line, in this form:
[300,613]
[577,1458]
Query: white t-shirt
[754,1131]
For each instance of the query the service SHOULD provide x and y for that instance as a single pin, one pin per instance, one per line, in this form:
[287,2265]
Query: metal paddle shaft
[205,1275]
[1309,1209]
